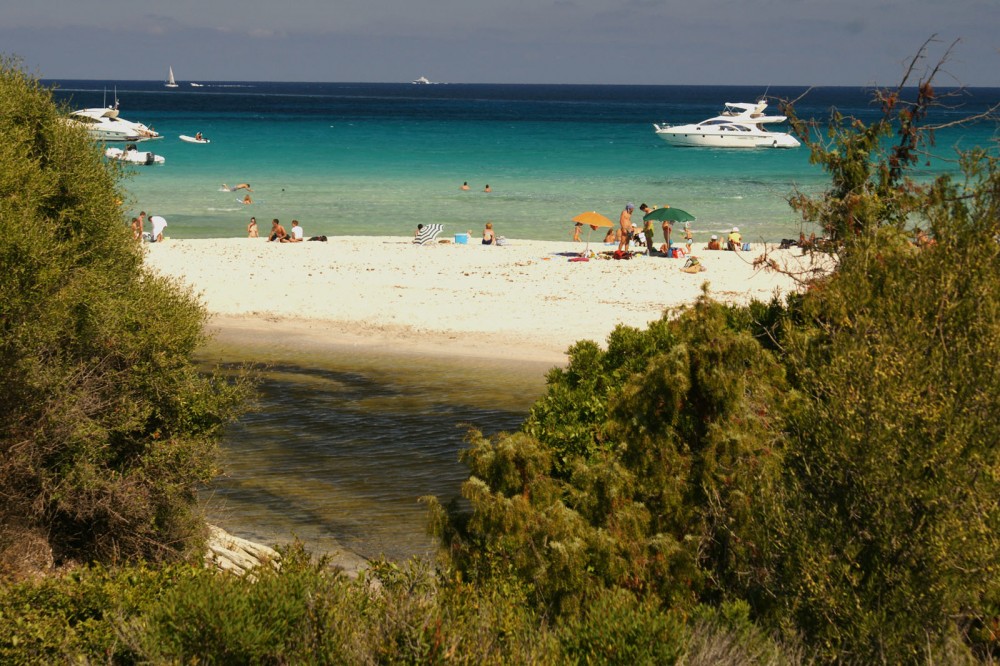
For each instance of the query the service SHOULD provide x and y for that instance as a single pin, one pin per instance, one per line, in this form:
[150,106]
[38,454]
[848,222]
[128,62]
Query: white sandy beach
[524,301]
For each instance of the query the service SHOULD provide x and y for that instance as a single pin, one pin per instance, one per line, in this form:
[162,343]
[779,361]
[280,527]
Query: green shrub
[108,426]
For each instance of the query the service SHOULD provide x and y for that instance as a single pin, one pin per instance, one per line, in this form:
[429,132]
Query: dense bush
[832,462]
[107,427]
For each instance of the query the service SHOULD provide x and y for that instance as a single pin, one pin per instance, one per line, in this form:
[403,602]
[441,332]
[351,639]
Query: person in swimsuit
[278,232]
[489,238]
[252,228]
[625,227]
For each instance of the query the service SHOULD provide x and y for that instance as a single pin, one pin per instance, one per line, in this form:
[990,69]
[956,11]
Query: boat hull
[694,138]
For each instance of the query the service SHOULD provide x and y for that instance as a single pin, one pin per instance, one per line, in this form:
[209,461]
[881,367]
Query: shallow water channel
[344,443]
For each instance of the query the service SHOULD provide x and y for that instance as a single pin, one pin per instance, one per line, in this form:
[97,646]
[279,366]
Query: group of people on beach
[627,233]
[158,223]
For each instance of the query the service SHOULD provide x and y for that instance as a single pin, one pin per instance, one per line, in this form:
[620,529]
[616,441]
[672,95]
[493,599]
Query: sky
[669,42]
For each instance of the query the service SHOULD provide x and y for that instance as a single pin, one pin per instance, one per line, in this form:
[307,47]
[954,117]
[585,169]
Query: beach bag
[318,238]
[501,240]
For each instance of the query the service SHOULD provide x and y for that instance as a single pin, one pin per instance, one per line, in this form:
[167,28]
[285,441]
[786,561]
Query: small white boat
[193,139]
[171,83]
[106,125]
[133,155]
[423,80]
[739,126]
[196,85]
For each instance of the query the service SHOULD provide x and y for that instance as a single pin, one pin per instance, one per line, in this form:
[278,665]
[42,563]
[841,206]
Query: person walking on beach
[277,231]
[252,228]
[576,232]
[625,227]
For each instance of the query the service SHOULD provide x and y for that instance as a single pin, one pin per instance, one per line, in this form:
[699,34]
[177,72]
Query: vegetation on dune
[107,427]
[815,479]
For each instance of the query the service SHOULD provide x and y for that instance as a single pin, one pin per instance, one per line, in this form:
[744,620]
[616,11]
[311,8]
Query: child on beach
[688,236]
[252,228]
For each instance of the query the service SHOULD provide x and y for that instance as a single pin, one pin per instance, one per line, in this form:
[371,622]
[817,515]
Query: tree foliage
[832,462]
[106,424]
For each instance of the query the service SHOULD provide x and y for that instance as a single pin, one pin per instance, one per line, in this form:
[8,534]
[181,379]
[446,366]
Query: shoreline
[523,302]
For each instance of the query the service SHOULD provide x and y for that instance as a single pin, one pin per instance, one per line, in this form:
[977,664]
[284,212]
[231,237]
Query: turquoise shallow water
[378,159]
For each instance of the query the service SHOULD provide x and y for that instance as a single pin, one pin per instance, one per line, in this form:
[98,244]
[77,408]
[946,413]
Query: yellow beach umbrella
[594,220]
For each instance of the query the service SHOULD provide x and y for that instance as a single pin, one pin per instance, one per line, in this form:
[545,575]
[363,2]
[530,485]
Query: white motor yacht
[105,125]
[423,80]
[740,126]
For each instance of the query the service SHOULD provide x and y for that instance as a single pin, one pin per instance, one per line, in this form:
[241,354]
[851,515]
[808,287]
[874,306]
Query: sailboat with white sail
[170,78]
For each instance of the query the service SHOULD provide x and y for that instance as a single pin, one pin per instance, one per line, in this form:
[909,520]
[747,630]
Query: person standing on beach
[252,228]
[668,227]
[277,231]
[576,232]
[159,224]
[625,227]
[647,228]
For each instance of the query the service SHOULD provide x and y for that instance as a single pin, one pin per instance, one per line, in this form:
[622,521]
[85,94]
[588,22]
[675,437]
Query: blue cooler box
[462,239]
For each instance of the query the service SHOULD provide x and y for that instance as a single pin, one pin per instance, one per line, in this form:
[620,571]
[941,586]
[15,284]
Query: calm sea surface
[343,446]
[377,159]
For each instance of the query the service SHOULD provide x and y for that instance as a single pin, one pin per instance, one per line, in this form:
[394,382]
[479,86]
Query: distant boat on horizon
[171,83]
[196,85]
[423,80]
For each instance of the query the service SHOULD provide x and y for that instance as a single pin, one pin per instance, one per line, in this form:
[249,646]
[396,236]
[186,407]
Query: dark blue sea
[378,159]
[343,446]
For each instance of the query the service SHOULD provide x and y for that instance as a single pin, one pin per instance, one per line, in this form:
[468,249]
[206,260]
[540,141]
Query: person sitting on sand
[420,228]
[692,265]
[489,238]
[610,236]
[296,235]
[713,244]
[735,240]
[278,232]
[252,228]
[465,186]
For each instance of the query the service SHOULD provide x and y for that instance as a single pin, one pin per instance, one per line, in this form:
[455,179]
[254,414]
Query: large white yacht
[105,125]
[739,126]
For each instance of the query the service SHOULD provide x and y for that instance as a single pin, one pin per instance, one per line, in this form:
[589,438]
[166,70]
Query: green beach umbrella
[668,214]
